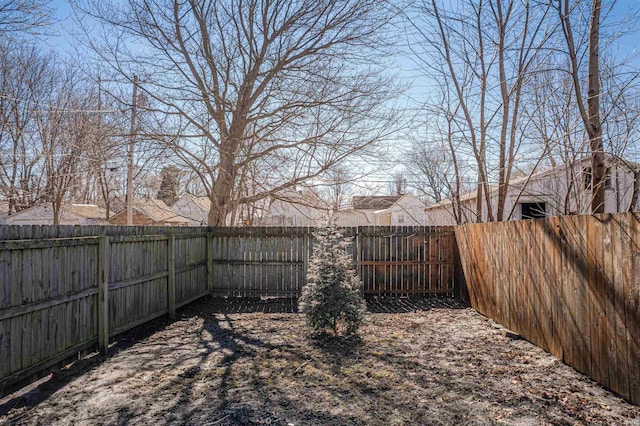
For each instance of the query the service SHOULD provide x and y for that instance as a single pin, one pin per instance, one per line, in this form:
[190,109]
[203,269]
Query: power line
[52,108]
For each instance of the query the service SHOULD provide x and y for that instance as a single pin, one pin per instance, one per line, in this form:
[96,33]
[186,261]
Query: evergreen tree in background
[332,296]
[169,184]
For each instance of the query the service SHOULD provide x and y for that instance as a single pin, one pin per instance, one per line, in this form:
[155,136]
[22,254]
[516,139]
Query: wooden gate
[391,260]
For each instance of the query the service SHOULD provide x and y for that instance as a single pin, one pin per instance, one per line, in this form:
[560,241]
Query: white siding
[561,189]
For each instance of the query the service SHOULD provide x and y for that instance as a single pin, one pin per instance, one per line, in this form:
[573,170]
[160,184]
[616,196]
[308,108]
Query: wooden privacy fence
[568,284]
[396,261]
[66,289]
[61,296]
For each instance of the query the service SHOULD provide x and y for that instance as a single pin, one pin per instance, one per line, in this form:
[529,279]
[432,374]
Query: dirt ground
[418,362]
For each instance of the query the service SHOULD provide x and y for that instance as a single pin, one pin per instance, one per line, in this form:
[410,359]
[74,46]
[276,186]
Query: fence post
[103,294]
[210,262]
[171,277]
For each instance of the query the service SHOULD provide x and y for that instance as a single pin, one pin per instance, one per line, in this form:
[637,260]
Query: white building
[397,210]
[295,208]
[562,190]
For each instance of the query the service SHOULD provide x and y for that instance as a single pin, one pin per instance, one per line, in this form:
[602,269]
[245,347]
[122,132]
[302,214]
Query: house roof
[398,203]
[156,210]
[193,207]
[68,213]
[203,203]
[374,202]
[90,211]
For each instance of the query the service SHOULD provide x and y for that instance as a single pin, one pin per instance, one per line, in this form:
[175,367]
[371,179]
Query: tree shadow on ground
[229,350]
[398,305]
[31,393]
[217,334]
[246,305]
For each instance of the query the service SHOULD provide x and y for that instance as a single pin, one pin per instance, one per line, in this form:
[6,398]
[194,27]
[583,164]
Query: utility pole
[102,179]
[132,140]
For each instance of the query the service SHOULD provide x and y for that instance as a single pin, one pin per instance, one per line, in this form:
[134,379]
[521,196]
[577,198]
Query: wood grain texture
[66,287]
[392,261]
[567,284]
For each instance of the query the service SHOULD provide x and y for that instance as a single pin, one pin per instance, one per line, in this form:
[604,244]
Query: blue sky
[627,45]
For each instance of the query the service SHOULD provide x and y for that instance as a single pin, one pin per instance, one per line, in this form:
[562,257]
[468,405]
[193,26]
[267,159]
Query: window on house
[533,210]
[586,173]
[401,218]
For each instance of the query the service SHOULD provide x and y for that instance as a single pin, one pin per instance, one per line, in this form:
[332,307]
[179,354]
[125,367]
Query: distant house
[196,209]
[558,191]
[149,212]
[398,210]
[346,218]
[70,214]
[295,208]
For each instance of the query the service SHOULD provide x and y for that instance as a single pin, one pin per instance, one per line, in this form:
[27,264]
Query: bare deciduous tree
[24,77]
[291,85]
[484,52]
[398,184]
[589,110]
[64,131]
[18,17]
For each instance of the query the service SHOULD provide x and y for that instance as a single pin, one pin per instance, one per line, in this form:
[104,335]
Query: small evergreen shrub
[332,297]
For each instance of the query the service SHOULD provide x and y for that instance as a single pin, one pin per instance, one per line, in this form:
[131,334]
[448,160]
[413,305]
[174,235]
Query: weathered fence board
[570,285]
[71,289]
[191,268]
[64,289]
[394,261]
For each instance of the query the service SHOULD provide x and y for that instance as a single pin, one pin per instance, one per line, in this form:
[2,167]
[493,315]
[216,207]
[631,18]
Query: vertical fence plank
[171,277]
[568,285]
[103,294]
[632,301]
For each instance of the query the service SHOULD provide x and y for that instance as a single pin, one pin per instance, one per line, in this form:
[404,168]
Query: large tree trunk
[598,169]
[222,190]
[591,114]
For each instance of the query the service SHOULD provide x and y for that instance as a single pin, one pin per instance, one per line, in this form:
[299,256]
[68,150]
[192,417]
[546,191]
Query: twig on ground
[220,420]
[301,365]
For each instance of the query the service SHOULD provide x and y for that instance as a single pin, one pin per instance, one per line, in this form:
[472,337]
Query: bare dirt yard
[418,362]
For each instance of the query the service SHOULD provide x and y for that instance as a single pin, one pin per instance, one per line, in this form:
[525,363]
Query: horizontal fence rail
[66,289]
[60,296]
[393,261]
[567,284]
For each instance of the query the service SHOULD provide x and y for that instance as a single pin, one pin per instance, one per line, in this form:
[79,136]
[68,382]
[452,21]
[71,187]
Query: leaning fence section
[569,285]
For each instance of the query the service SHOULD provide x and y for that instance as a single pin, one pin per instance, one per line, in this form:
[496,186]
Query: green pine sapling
[332,296]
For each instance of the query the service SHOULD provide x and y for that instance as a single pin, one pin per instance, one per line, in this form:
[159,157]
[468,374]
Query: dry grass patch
[430,365]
